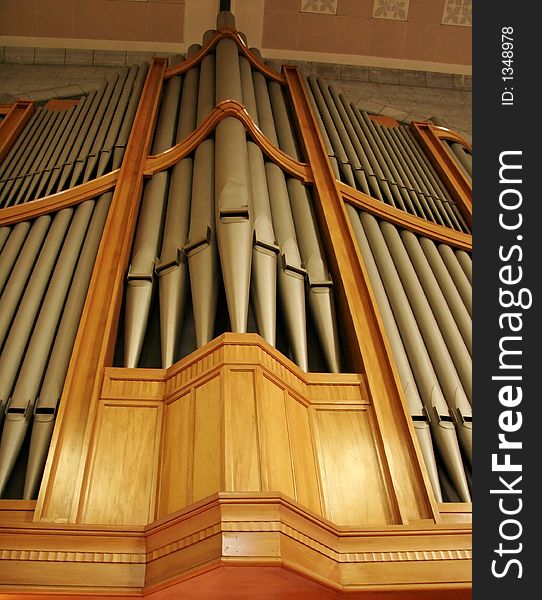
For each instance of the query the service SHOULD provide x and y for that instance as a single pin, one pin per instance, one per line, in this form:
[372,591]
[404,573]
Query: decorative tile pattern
[324,7]
[457,12]
[396,10]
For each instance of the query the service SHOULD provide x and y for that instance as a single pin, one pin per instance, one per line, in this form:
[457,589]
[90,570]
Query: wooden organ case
[233,472]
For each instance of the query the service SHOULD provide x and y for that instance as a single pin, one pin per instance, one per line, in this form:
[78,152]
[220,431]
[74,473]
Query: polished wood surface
[65,468]
[227,108]
[460,188]
[55,202]
[367,346]
[13,123]
[456,239]
[207,48]
[272,545]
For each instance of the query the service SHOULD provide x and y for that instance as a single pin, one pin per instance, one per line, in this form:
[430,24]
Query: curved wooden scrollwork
[55,202]
[228,108]
[444,133]
[403,219]
[220,34]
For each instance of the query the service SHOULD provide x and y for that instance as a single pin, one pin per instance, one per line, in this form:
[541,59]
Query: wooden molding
[227,108]
[13,123]
[62,480]
[443,133]
[384,120]
[220,34]
[55,202]
[368,347]
[261,539]
[460,188]
[401,218]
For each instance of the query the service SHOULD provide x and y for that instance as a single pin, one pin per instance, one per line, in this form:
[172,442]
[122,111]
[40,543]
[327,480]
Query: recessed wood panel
[354,491]
[241,454]
[121,482]
[276,459]
[301,443]
[178,439]
[207,474]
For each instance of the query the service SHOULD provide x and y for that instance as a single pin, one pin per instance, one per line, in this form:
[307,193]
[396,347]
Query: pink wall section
[148,21]
[353,30]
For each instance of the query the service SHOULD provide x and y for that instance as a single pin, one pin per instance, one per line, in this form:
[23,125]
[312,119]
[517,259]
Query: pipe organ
[235,339]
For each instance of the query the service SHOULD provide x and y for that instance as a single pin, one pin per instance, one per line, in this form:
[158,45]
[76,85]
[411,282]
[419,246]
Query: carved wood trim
[367,343]
[248,531]
[444,133]
[457,184]
[93,349]
[55,202]
[13,123]
[417,225]
[220,34]
[227,108]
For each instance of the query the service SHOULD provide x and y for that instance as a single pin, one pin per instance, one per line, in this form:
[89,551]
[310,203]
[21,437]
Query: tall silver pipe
[24,316]
[450,332]
[171,266]
[20,272]
[81,135]
[62,154]
[4,234]
[327,142]
[263,278]
[21,404]
[232,190]
[10,165]
[116,123]
[431,393]
[10,250]
[447,285]
[26,158]
[466,263]
[441,191]
[344,135]
[50,391]
[457,273]
[45,165]
[126,127]
[382,164]
[340,153]
[42,144]
[140,279]
[320,286]
[290,277]
[409,173]
[454,392]
[201,247]
[291,274]
[90,152]
[410,389]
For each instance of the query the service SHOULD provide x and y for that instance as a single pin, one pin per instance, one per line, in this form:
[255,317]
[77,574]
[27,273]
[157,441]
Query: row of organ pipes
[226,240]
[46,263]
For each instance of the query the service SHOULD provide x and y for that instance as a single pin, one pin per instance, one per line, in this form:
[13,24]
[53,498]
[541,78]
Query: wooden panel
[354,492]
[303,456]
[277,474]
[175,492]
[121,481]
[95,343]
[241,454]
[366,346]
[208,455]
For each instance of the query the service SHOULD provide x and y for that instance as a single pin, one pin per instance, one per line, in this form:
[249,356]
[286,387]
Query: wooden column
[13,123]
[367,346]
[446,166]
[94,346]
